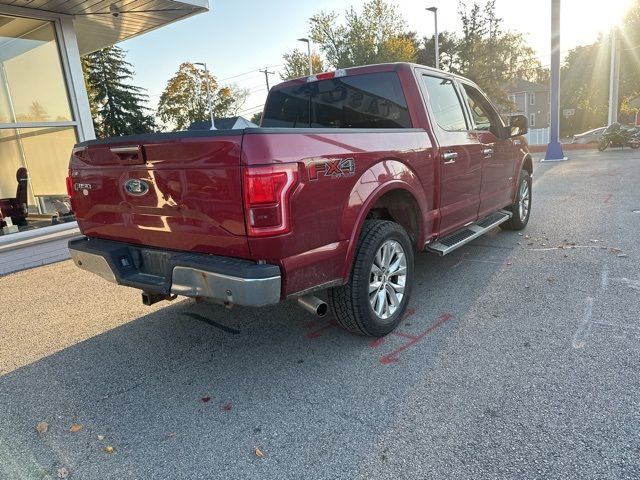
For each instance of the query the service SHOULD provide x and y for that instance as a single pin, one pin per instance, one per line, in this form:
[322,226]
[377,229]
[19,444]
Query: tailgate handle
[128,155]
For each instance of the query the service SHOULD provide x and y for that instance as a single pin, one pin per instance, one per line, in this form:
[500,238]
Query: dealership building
[44,109]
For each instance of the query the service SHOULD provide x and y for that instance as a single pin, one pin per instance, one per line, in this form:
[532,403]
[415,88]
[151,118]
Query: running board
[461,237]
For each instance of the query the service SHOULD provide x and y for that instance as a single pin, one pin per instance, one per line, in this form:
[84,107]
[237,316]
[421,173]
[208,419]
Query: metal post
[308,42]
[435,37]
[614,77]
[554,149]
[206,73]
[266,76]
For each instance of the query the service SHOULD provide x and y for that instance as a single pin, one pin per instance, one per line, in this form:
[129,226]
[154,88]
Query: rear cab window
[372,100]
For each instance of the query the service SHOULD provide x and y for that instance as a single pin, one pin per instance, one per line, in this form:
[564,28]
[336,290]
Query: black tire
[602,146]
[517,221]
[351,303]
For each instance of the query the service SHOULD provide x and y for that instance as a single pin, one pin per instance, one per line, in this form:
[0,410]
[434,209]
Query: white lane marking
[634,284]
[580,337]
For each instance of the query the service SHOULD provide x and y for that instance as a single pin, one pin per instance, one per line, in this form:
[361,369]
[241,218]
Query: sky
[236,38]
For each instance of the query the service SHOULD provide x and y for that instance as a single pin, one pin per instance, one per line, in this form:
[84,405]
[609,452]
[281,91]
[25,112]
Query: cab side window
[483,115]
[445,103]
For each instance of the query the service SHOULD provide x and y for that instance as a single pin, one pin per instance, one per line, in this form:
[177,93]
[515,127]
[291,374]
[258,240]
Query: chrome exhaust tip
[313,305]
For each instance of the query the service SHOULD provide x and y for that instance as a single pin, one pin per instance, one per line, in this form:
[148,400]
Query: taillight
[266,198]
[70,185]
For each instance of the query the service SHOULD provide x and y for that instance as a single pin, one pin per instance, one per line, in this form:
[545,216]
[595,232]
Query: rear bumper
[166,272]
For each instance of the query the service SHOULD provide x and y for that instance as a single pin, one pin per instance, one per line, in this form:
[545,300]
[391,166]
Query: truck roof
[373,68]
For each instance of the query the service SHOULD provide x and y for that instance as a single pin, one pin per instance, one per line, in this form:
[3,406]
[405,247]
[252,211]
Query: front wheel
[521,207]
[376,297]
[602,146]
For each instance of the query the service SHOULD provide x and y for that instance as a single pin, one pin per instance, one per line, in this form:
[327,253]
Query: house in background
[531,100]
[44,109]
[227,123]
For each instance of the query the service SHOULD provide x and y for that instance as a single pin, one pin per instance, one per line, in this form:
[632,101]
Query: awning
[102,23]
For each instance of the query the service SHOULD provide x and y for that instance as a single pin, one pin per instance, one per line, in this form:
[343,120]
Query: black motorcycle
[616,135]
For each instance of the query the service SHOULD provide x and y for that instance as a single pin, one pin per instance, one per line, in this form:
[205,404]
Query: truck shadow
[213,384]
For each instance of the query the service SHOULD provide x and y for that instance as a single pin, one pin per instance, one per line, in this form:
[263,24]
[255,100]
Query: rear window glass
[360,101]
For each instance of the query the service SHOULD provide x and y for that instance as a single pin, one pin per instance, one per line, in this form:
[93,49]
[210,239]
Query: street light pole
[434,10]
[206,72]
[306,40]
[614,76]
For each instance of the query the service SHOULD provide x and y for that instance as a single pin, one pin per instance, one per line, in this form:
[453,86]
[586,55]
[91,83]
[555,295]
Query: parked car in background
[591,136]
[351,173]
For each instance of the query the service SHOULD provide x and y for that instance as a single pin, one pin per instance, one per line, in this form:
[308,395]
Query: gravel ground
[520,360]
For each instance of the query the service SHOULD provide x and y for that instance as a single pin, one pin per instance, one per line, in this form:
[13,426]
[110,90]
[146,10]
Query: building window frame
[532,119]
[532,98]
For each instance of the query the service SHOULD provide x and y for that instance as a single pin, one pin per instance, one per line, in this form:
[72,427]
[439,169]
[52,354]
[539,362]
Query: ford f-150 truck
[351,172]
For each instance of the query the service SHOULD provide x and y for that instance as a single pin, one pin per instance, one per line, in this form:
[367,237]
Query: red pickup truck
[351,172]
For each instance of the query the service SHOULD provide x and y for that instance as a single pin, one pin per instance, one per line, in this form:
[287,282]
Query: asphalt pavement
[519,358]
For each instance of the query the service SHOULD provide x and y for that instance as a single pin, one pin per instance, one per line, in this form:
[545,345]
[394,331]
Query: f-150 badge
[345,167]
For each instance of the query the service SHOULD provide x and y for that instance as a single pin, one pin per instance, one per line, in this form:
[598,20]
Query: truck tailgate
[176,191]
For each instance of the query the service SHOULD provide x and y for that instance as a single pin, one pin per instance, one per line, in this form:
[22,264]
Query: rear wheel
[521,207]
[376,297]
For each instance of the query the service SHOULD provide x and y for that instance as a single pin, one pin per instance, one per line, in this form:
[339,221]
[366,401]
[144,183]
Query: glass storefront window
[37,128]
[32,86]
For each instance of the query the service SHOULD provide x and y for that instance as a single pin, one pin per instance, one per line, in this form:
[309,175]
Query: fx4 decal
[332,168]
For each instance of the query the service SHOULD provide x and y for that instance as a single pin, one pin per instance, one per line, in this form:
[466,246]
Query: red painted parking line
[379,341]
[393,356]
[317,333]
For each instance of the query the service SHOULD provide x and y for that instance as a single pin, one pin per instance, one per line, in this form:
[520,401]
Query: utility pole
[206,73]
[266,76]
[554,149]
[434,10]
[614,76]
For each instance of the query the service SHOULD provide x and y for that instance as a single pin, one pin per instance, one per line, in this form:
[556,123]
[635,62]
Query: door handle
[487,152]
[449,157]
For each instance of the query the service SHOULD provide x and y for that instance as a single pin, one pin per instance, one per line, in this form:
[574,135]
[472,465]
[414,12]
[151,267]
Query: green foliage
[485,53]
[117,107]
[256,118]
[375,35]
[296,64]
[185,99]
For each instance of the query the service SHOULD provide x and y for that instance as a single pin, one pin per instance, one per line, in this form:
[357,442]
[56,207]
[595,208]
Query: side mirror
[518,125]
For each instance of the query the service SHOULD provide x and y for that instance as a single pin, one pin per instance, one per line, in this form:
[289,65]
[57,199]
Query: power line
[266,75]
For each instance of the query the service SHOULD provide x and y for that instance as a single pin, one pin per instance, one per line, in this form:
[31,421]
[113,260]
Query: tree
[185,100]
[296,64]
[376,35]
[488,55]
[585,77]
[256,117]
[117,106]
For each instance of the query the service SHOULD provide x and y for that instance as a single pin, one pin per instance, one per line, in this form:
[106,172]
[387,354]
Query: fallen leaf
[226,407]
[527,236]
[615,250]
[75,427]
[205,399]
[63,473]
[258,452]
[109,449]
[100,437]
[551,279]
[42,427]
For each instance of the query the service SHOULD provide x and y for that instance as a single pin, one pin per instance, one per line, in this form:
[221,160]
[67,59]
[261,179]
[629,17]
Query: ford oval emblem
[136,187]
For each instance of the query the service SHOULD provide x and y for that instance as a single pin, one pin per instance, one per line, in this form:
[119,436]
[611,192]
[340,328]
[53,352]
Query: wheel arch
[394,200]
